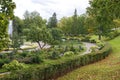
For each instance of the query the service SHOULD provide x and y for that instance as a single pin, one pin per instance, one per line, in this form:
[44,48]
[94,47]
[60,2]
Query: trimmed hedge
[58,67]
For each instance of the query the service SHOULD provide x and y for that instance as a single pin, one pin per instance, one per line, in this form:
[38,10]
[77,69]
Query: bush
[86,38]
[24,54]
[94,49]
[113,34]
[69,53]
[72,48]
[4,61]
[100,45]
[93,41]
[55,55]
[67,48]
[14,65]
[31,59]
[36,59]
[59,67]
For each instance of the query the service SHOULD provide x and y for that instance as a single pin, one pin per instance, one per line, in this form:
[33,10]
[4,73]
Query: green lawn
[107,69]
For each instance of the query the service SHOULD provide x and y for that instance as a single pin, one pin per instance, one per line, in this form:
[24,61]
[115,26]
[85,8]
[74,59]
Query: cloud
[44,3]
[47,7]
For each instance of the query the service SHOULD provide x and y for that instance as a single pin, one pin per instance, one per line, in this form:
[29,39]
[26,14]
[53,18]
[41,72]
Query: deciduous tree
[6,13]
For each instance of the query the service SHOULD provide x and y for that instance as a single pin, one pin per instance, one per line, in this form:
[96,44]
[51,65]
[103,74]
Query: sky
[47,7]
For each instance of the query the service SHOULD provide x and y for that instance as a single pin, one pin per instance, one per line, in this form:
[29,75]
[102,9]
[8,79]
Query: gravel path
[88,47]
[25,46]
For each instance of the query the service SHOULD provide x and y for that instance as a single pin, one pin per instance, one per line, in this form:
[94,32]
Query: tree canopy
[104,11]
[35,29]
[6,13]
[52,22]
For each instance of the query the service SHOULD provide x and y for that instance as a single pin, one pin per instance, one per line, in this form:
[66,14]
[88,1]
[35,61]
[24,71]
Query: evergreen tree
[17,33]
[75,27]
[52,23]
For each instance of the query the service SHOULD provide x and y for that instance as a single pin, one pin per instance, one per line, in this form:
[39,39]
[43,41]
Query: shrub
[31,59]
[36,59]
[100,45]
[67,48]
[4,61]
[80,48]
[55,55]
[113,34]
[72,48]
[14,65]
[24,54]
[59,67]
[94,49]
[69,53]
[93,41]
[86,38]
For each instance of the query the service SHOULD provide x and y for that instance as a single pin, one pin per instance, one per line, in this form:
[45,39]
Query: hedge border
[59,68]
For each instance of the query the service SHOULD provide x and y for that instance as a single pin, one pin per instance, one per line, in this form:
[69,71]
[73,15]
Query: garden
[47,49]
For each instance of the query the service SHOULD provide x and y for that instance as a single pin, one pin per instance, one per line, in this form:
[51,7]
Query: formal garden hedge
[58,67]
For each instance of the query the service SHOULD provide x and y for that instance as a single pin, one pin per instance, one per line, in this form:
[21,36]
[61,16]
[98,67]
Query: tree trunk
[39,45]
[99,36]
[44,45]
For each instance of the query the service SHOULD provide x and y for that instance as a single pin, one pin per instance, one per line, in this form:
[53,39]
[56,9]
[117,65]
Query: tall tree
[65,24]
[17,33]
[90,25]
[52,23]
[32,18]
[104,11]
[6,13]
[74,28]
[81,25]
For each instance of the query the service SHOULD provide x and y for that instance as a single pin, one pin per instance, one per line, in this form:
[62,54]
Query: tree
[38,34]
[33,18]
[17,34]
[90,24]
[104,11]
[36,31]
[82,28]
[65,24]
[6,13]
[56,35]
[52,23]
[74,28]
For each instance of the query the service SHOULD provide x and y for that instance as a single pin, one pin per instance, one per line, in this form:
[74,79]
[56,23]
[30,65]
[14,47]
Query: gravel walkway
[88,47]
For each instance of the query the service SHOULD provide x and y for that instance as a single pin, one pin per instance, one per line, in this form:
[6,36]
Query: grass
[107,69]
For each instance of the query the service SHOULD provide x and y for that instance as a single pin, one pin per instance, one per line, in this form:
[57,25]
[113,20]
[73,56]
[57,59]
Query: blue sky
[47,7]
